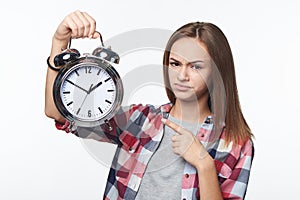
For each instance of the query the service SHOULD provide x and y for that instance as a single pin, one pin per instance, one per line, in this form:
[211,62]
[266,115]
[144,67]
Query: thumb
[95,35]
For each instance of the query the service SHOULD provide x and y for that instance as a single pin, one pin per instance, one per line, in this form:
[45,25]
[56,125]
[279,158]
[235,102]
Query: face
[189,70]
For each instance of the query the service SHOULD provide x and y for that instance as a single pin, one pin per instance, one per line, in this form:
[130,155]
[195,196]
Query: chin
[186,97]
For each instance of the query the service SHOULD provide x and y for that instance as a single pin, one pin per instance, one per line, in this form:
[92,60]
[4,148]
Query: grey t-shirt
[163,175]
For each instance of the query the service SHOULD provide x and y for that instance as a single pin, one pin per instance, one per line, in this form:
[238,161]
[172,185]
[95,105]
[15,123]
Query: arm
[208,179]
[76,25]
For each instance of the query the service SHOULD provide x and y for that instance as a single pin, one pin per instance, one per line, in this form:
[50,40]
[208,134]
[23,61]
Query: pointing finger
[174,126]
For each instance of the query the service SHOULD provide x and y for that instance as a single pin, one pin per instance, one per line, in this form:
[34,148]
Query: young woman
[180,150]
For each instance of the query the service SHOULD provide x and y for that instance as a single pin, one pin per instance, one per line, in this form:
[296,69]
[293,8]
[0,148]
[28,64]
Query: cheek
[201,81]
[204,76]
[172,74]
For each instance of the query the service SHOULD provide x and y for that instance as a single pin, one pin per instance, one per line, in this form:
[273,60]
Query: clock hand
[98,84]
[84,100]
[77,86]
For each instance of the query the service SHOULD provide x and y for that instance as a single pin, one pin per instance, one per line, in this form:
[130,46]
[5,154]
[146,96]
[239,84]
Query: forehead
[189,49]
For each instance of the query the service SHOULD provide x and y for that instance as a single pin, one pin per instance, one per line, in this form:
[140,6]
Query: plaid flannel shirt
[138,130]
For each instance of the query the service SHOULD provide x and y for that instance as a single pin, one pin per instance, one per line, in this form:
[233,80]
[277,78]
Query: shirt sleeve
[234,181]
[62,126]
[103,132]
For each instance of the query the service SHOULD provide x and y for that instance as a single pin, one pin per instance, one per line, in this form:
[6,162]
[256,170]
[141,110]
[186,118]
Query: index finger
[174,126]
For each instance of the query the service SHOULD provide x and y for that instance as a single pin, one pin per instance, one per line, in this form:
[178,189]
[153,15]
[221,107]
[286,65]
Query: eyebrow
[192,62]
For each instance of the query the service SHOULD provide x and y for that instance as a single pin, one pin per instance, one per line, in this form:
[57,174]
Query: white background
[39,162]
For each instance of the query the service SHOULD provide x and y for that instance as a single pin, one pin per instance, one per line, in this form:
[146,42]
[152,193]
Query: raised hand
[76,25]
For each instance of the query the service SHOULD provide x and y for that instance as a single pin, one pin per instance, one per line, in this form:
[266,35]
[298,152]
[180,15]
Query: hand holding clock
[76,25]
[89,108]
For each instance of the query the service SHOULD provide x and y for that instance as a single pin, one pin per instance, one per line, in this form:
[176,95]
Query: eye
[196,67]
[174,64]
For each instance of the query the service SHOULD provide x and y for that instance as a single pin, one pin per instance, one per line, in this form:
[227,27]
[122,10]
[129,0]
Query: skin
[187,79]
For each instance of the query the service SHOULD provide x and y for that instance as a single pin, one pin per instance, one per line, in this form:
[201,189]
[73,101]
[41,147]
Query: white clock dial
[88,92]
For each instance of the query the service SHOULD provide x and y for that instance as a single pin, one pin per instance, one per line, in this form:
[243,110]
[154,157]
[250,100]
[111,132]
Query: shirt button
[187,175]
[131,150]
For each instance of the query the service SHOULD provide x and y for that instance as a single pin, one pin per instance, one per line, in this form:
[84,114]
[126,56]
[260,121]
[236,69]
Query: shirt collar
[166,108]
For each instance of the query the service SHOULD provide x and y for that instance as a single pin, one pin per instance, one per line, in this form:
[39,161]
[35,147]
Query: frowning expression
[189,69]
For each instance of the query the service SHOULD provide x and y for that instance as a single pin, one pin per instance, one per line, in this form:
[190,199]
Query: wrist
[205,164]
[61,37]
[58,45]
[51,65]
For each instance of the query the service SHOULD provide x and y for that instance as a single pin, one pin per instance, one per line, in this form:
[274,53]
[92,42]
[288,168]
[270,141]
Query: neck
[191,111]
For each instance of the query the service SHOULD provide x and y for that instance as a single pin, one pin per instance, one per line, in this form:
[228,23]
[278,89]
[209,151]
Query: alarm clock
[88,90]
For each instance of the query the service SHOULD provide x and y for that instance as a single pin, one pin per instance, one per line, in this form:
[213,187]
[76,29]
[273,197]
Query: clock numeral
[76,72]
[99,72]
[89,113]
[88,70]
[69,103]
[110,90]
[66,92]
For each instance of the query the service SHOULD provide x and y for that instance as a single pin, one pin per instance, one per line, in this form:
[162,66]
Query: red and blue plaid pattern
[138,130]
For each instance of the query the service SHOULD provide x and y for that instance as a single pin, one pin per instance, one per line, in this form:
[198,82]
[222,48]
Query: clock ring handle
[70,54]
[101,52]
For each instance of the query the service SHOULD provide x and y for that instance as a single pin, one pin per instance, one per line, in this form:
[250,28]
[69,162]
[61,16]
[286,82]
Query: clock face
[88,92]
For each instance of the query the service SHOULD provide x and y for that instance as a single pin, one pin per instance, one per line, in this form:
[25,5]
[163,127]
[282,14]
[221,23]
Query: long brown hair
[223,101]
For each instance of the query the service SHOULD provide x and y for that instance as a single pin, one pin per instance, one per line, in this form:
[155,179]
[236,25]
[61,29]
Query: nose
[183,74]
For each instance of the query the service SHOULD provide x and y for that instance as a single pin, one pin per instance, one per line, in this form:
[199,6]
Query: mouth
[181,87]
